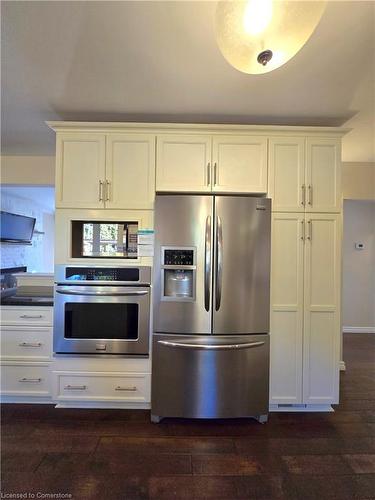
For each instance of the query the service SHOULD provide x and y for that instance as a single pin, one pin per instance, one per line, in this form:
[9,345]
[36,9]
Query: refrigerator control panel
[178,257]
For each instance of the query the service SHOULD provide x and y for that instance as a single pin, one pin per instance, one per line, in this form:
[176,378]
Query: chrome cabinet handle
[129,389]
[303,236]
[27,316]
[208,173]
[215,173]
[100,190]
[75,387]
[310,200]
[31,380]
[107,190]
[30,344]
[207,264]
[303,202]
[246,345]
[309,235]
[219,262]
[100,294]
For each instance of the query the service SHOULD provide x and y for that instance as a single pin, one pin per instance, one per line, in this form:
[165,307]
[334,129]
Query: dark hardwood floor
[119,454]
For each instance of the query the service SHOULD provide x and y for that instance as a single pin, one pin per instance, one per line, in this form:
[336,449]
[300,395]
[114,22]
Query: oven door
[101,320]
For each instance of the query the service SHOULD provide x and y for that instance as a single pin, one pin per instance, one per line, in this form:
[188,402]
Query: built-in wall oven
[101,310]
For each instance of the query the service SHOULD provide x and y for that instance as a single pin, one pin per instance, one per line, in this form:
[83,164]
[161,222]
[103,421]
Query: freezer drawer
[210,377]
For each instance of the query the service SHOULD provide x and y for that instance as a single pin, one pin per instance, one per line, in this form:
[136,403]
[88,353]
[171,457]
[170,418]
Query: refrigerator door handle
[207,264]
[245,345]
[219,262]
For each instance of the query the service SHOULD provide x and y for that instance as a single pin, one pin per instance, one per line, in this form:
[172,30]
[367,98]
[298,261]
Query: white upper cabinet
[239,164]
[305,174]
[203,163]
[287,174]
[183,163]
[286,308]
[322,309]
[130,171]
[323,175]
[80,170]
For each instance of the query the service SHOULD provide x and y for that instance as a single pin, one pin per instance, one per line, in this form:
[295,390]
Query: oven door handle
[101,294]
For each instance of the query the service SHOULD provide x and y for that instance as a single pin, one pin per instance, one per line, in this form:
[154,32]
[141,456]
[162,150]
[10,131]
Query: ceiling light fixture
[258,36]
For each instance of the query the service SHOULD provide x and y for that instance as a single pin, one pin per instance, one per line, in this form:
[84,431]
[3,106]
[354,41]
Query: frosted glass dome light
[258,36]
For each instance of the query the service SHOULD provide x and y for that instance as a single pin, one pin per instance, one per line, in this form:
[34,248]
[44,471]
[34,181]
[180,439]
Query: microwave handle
[65,291]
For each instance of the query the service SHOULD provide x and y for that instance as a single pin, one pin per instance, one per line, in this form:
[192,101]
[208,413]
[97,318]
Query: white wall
[28,170]
[358,181]
[38,256]
[359,265]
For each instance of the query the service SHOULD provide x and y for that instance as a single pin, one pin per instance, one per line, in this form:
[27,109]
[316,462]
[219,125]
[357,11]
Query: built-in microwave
[101,310]
[104,239]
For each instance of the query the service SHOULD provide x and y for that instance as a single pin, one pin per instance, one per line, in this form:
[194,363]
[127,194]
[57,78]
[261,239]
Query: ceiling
[158,61]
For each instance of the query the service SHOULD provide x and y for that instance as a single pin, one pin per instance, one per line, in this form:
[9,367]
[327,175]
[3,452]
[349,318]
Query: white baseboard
[358,329]
[300,408]
[342,366]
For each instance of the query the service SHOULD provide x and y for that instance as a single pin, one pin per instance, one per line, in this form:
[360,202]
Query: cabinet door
[183,163]
[80,170]
[239,164]
[322,309]
[287,174]
[323,175]
[130,171]
[287,249]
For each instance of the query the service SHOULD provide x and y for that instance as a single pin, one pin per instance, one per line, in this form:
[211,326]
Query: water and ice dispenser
[178,268]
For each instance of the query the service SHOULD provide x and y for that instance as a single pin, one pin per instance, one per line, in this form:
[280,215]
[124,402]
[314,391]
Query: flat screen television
[16,228]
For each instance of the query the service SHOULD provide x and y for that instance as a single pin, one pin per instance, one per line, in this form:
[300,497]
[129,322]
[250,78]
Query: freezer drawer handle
[207,264]
[209,347]
[99,294]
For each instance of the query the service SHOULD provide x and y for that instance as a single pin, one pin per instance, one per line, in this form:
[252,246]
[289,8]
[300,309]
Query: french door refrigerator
[210,355]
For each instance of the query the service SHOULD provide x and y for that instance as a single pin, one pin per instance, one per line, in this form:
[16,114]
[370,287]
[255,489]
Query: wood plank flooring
[119,454]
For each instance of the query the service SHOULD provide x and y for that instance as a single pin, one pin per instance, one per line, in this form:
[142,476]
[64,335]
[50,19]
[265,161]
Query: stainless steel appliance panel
[83,316]
[241,286]
[184,222]
[210,377]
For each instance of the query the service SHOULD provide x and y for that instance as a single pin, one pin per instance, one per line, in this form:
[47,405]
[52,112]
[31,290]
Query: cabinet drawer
[100,386]
[25,380]
[27,316]
[26,343]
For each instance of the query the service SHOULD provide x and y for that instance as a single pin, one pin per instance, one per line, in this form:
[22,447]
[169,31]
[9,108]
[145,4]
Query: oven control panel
[101,274]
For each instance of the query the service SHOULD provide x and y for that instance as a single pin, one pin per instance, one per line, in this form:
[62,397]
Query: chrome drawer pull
[27,316]
[130,389]
[32,380]
[30,344]
[75,387]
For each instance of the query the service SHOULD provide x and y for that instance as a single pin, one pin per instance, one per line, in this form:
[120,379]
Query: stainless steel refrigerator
[210,355]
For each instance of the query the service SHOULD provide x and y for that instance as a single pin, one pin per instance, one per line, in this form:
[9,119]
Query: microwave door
[241,281]
[182,293]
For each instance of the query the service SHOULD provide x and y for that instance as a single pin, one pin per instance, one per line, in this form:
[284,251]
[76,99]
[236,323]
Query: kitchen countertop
[28,296]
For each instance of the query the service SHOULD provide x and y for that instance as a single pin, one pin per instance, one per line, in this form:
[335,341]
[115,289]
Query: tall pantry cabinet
[305,184]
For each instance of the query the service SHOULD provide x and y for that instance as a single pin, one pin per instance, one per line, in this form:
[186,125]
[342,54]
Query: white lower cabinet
[26,353]
[102,386]
[305,305]
[25,379]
